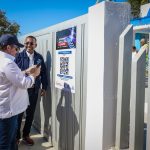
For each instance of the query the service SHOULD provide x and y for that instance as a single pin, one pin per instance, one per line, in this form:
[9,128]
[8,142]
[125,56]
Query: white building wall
[144,9]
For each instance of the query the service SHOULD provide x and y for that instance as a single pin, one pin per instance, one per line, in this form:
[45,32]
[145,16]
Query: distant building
[142,25]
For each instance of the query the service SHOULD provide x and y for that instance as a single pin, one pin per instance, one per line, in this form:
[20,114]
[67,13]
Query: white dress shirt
[13,87]
[31,58]
[145,47]
[134,54]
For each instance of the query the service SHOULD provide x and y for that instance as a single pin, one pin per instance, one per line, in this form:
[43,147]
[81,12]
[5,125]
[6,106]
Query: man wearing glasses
[13,90]
[25,59]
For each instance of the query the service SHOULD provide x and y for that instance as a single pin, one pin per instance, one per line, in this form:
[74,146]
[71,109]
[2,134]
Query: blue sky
[37,14]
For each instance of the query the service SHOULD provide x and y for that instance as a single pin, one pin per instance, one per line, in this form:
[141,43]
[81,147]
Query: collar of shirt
[3,54]
[30,55]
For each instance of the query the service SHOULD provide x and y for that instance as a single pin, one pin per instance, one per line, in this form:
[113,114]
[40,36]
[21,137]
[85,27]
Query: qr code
[64,65]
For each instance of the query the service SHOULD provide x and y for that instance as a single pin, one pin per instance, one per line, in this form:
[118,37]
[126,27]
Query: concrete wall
[106,21]
[123,92]
[137,101]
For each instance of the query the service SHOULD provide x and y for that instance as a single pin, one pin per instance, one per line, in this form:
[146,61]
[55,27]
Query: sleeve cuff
[32,78]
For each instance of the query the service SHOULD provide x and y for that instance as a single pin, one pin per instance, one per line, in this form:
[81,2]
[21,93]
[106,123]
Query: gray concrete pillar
[123,93]
[148,113]
[137,102]
[106,21]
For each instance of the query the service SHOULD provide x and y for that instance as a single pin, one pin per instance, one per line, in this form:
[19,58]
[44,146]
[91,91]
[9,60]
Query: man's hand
[43,92]
[31,70]
[36,72]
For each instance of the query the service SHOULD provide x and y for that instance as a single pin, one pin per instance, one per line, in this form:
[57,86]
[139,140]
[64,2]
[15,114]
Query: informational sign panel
[65,58]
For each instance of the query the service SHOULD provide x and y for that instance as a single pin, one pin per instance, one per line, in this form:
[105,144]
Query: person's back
[4,83]
[10,94]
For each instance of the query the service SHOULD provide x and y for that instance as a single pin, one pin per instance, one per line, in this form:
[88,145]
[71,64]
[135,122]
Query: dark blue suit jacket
[22,60]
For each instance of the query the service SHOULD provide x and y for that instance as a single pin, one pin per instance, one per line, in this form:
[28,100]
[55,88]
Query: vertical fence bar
[123,93]
[137,101]
[148,113]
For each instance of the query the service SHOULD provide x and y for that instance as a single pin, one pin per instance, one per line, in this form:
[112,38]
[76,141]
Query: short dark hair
[32,37]
[3,48]
[134,47]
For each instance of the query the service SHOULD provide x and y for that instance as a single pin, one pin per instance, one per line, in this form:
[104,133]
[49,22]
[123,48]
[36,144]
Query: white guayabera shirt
[13,87]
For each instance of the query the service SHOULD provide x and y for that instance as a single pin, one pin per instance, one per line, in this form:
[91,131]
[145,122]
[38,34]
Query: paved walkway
[40,143]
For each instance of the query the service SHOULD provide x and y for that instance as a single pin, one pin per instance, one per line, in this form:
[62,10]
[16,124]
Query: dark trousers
[33,96]
[8,128]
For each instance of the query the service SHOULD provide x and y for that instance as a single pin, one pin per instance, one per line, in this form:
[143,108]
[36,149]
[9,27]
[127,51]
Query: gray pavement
[40,143]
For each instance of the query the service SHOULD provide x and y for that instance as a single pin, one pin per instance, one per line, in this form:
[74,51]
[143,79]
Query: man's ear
[8,48]
[36,45]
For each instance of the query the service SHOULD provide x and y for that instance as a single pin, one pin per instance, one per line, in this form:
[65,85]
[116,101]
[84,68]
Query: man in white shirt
[134,52]
[13,85]
[144,45]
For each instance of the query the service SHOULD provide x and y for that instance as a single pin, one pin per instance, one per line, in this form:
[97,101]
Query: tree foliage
[135,7]
[144,2]
[6,26]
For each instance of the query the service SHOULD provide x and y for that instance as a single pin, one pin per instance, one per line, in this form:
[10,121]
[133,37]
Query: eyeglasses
[29,43]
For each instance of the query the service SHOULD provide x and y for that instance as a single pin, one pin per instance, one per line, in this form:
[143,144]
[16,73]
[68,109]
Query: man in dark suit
[25,59]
